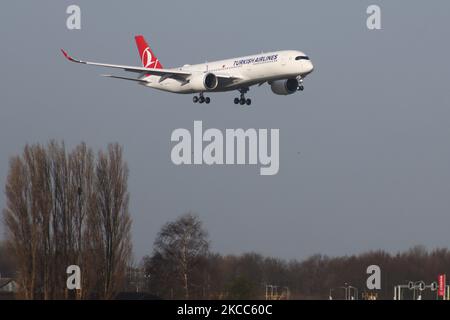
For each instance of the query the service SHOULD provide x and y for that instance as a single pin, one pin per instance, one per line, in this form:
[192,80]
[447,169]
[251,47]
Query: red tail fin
[148,59]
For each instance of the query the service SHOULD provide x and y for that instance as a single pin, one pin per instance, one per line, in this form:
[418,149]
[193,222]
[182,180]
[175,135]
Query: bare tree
[22,220]
[182,244]
[110,221]
[81,164]
[52,198]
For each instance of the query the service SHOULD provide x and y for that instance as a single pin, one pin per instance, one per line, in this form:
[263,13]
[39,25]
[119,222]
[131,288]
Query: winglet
[66,55]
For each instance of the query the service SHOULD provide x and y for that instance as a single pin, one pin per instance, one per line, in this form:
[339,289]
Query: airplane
[284,71]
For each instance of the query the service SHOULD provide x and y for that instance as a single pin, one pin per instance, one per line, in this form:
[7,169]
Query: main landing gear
[242,100]
[201,99]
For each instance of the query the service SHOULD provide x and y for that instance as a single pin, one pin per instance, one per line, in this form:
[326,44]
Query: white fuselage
[242,72]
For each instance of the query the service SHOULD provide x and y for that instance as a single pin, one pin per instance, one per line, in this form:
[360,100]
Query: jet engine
[284,87]
[204,82]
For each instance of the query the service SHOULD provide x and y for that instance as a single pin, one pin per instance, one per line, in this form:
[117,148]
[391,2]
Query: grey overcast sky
[364,150]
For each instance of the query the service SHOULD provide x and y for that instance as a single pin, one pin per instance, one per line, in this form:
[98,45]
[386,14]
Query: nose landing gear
[300,84]
[242,100]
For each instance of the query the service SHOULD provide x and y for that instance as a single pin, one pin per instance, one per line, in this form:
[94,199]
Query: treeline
[67,208]
[246,276]
[182,267]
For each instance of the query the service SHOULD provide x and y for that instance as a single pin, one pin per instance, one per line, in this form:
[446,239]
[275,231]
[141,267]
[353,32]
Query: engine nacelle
[204,82]
[284,87]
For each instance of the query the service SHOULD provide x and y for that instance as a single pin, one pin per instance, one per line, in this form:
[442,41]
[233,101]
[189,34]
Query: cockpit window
[302,58]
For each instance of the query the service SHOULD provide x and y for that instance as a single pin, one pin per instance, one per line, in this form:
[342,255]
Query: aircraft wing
[142,81]
[166,73]
[179,75]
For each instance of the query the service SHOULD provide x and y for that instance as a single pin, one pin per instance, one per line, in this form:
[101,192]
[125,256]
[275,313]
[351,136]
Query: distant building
[8,285]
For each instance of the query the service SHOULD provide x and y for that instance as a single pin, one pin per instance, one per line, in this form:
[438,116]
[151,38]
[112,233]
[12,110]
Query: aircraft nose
[309,67]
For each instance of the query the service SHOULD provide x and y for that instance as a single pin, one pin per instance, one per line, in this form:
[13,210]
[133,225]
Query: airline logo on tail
[148,58]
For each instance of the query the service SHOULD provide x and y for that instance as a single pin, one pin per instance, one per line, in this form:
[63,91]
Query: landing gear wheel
[207,100]
[301,88]
[242,100]
[201,99]
[195,99]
